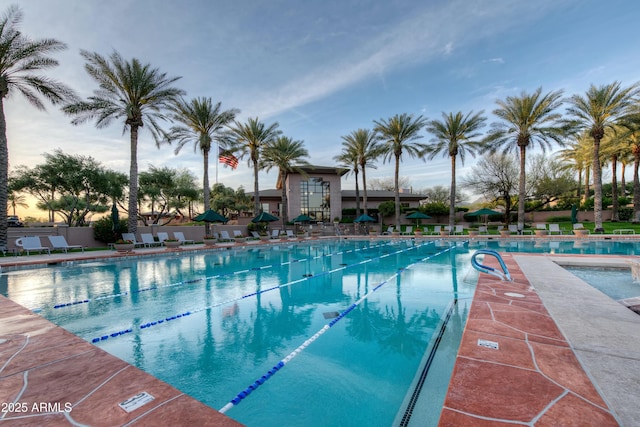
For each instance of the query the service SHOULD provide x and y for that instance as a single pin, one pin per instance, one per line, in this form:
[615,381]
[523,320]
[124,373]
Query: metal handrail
[503,275]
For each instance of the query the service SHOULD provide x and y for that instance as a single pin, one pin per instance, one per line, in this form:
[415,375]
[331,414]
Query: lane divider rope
[247,391]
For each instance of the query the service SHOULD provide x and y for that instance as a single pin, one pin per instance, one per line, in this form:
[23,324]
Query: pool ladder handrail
[503,275]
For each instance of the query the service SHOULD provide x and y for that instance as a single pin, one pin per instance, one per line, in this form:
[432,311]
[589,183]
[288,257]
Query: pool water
[616,283]
[211,323]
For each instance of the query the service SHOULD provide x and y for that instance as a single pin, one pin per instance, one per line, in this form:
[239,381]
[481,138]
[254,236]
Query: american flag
[227,158]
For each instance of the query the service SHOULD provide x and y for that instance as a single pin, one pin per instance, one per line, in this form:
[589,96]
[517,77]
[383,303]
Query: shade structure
[265,217]
[484,211]
[417,215]
[302,218]
[210,216]
[364,218]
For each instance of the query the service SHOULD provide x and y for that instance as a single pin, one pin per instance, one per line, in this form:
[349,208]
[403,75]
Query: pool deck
[566,356]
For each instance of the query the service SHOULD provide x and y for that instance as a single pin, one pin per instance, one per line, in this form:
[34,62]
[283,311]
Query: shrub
[103,229]
[559,219]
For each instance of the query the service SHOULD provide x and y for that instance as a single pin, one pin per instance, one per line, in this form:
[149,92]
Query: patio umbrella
[265,217]
[484,212]
[364,218]
[210,216]
[302,218]
[417,215]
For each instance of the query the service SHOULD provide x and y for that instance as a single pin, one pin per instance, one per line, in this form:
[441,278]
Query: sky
[323,69]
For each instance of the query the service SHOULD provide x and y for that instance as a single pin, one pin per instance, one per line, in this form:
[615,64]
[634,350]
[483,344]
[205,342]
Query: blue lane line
[185,282]
[247,391]
[168,318]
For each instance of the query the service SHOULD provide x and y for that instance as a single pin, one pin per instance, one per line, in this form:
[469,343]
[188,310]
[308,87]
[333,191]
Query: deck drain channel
[423,375]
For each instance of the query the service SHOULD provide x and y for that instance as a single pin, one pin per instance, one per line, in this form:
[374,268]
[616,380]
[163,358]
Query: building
[318,193]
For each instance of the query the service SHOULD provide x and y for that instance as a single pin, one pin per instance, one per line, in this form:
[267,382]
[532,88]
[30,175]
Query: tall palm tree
[615,145]
[249,139]
[348,158]
[288,156]
[577,157]
[598,110]
[525,121]
[134,93]
[20,61]
[455,136]
[365,145]
[202,123]
[398,135]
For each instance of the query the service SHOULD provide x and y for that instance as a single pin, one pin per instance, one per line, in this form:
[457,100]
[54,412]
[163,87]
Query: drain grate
[489,344]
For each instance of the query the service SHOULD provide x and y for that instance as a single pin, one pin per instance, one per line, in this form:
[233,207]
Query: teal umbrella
[364,218]
[302,218]
[484,212]
[417,215]
[265,217]
[210,216]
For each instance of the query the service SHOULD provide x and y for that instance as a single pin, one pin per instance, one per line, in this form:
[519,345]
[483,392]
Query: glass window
[315,199]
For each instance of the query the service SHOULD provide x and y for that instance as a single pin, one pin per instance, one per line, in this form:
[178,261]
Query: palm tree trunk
[256,192]
[133,182]
[614,188]
[522,187]
[579,189]
[4,174]
[587,177]
[355,172]
[623,182]
[396,187]
[452,195]
[364,190]
[285,203]
[206,193]
[597,186]
[636,186]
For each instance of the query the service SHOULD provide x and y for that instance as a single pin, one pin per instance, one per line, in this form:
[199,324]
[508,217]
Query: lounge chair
[514,229]
[459,229]
[483,229]
[554,228]
[255,235]
[290,235]
[225,237]
[59,242]
[162,236]
[237,233]
[389,230]
[132,237]
[408,230]
[275,233]
[180,236]
[32,244]
[541,226]
[148,240]
[579,226]
[436,229]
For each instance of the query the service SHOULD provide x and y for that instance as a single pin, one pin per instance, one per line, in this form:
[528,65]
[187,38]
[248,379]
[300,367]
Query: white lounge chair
[514,229]
[148,240]
[224,236]
[554,228]
[389,230]
[483,229]
[131,237]
[459,229]
[32,244]
[408,230]
[579,226]
[59,242]
[180,236]
[290,235]
[541,226]
[436,229]
[237,233]
[162,236]
[275,233]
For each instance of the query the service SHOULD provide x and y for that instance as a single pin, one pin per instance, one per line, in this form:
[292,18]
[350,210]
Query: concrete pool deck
[581,348]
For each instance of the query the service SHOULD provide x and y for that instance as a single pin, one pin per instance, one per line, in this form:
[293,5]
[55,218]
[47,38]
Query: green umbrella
[302,218]
[484,212]
[265,217]
[417,215]
[364,218]
[210,216]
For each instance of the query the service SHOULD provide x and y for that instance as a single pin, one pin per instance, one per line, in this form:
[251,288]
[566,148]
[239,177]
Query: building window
[315,198]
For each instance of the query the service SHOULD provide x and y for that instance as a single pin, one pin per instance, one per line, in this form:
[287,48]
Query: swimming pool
[616,283]
[216,323]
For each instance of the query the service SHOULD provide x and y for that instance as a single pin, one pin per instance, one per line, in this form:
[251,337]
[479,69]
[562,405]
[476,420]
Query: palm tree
[348,159]
[15,200]
[129,91]
[365,146]
[288,156]
[249,139]
[202,123]
[398,134]
[20,60]
[526,121]
[454,136]
[598,110]
[577,156]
